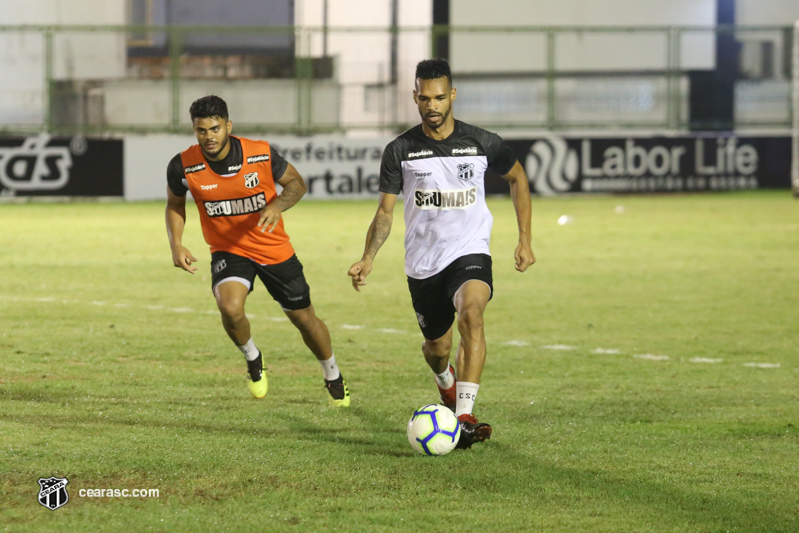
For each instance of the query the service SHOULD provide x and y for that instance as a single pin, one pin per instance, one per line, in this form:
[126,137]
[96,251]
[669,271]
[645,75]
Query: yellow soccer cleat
[258,388]
[339,392]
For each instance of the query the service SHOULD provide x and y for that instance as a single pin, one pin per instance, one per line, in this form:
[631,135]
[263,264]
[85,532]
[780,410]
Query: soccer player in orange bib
[232,181]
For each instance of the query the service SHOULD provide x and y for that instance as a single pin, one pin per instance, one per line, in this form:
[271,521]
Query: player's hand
[182,258]
[524,256]
[358,272]
[270,216]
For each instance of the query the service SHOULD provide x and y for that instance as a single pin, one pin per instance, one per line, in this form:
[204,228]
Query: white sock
[249,350]
[330,368]
[467,394]
[445,379]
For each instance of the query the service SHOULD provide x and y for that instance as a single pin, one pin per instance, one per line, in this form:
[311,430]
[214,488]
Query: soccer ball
[433,430]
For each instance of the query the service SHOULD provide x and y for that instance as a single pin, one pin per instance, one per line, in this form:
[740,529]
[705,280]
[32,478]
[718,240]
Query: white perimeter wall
[77,55]
[766,12]
[583,12]
[364,57]
[63,12]
[471,52]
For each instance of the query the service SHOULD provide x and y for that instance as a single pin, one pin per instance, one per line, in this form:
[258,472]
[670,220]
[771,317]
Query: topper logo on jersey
[552,166]
[257,158]
[444,199]
[239,206]
[465,171]
[251,180]
[34,166]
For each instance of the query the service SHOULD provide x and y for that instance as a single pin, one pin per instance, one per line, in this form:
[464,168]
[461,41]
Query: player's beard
[434,126]
[220,146]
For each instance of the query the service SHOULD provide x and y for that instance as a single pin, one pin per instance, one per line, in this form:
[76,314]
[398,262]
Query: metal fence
[115,79]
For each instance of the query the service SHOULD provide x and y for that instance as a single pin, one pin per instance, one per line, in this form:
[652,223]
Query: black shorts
[284,281]
[432,297]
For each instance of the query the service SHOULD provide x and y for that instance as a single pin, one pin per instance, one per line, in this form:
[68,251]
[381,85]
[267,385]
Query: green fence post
[677,77]
[303,74]
[551,114]
[672,91]
[175,49]
[49,89]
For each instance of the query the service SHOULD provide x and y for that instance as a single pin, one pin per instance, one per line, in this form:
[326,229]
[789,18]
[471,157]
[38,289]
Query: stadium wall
[617,51]
[766,12]
[338,167]
[372,85]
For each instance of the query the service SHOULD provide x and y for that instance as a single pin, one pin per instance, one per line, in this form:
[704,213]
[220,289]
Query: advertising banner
[338,167]
[335,167]
[41,165]
[561,164]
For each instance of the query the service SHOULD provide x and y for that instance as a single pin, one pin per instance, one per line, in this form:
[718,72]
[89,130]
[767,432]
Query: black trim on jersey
[231,164]
[175,176]
[465,140]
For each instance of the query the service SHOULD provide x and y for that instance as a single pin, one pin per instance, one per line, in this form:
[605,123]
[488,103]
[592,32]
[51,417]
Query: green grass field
[642,376]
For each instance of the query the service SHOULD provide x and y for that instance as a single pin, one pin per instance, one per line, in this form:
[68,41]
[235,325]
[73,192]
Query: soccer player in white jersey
[440,167]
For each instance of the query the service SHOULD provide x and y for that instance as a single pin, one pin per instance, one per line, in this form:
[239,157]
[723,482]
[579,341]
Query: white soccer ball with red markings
[433,430]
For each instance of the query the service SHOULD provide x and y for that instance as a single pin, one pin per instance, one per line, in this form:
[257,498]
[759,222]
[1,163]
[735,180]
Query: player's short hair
[432,69]
[208,107]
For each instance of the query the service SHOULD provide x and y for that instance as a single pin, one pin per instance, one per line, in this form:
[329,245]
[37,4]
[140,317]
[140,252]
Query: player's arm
[378,232]
[294,188]
[175,222]
[520,194]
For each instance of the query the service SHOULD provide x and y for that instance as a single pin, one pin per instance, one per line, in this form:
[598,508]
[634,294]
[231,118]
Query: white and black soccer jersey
[443,182]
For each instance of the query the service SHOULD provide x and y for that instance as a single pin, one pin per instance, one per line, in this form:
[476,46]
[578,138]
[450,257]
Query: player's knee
[303,319]
[438,348]
[470,319]
[231,308]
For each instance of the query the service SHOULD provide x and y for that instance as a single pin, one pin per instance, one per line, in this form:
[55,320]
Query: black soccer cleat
[339,392]
[257,383]
[472,431]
